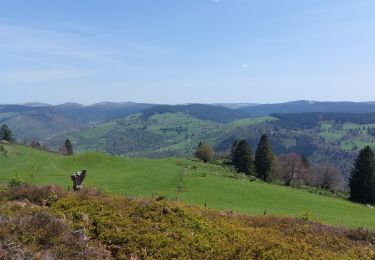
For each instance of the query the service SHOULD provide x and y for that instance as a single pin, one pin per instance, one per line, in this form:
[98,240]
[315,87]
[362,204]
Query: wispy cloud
[244,65]
[38,75]
[26,41]
[29,54]
[72,44]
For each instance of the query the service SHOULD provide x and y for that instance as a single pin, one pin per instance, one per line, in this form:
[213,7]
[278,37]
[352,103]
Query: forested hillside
[143,130]
[322,137]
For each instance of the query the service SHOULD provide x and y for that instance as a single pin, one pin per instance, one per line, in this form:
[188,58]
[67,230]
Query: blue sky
[169,51]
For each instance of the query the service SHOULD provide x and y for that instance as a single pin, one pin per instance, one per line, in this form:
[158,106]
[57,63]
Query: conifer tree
[242,157]
[264,159]
[68,147]
[362,177]
[6,134]
[233,151]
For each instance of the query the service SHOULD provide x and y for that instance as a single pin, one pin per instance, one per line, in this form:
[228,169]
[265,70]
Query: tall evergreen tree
[362,177]
[233,151]
[264,159]
[69,147]
[5,133]
[242,157]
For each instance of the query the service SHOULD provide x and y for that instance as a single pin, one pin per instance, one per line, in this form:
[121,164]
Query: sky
[186,51]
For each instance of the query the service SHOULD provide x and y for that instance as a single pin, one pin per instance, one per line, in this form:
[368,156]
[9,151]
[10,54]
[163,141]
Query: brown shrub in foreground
[43,195]
[163,230]
[36,234]
[89,225]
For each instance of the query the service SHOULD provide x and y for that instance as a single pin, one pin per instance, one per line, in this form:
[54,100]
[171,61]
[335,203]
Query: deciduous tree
[325,176]
[204,152]
[290,167]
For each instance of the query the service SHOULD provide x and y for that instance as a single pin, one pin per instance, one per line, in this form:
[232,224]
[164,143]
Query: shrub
[45,235]
[44,195]
[15,181]
[307,216]
[204,152]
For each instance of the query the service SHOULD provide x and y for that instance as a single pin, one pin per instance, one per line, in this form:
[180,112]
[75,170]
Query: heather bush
[90,225]
[44,195]
[151,228]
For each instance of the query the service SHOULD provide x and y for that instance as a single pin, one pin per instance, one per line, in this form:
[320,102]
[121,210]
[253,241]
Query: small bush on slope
[147,228]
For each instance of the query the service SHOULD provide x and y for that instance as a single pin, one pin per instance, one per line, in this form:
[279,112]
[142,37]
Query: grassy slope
[191,181]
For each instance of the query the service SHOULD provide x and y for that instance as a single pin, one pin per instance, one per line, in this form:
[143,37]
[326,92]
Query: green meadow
[190,181]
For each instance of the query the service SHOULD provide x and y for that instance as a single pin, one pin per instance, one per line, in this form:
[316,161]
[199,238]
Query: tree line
[292,169]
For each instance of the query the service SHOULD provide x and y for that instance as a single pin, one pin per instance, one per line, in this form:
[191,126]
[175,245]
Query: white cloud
[244,65]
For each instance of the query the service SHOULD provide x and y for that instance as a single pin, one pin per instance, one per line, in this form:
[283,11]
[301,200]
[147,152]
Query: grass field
[188,180]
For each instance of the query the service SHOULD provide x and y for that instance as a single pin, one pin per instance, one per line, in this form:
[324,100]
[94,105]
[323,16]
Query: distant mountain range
[43,121]
[319,130]
[304,106]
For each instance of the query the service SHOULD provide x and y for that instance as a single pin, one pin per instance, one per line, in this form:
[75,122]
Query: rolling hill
[304,106]
[43,122]
[144,130]
[322,137]
[204,112]
[216,186]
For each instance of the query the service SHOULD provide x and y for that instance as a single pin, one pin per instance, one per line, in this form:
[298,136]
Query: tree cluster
[260,165]
[325,176]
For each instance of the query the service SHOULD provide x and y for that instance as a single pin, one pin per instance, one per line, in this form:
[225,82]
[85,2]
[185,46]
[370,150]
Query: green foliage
[6,134]
[242,157]
[307,216]
[362,178]
[16,181]
[68,147]
[3,151]
[204,152]
[263,159]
